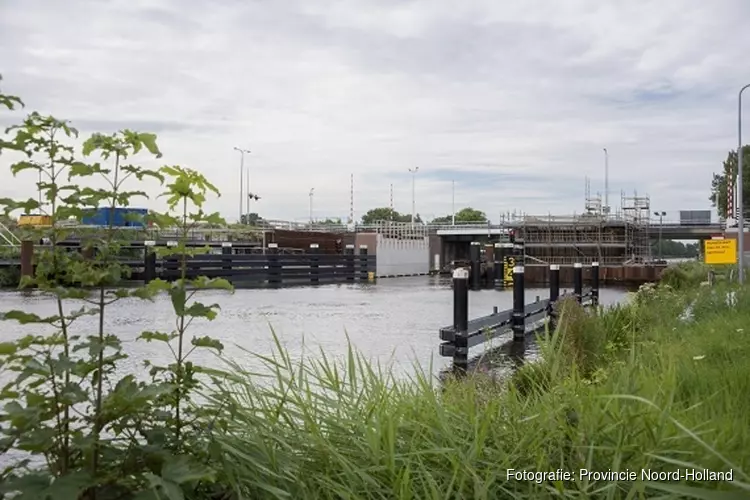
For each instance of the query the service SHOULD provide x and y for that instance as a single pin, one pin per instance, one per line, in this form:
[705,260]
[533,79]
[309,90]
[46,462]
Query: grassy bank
[634,388]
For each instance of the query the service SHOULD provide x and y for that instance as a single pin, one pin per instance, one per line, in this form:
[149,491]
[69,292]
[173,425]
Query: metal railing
[8,237]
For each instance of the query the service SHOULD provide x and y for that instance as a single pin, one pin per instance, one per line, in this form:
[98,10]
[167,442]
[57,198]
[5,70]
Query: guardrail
[521,319]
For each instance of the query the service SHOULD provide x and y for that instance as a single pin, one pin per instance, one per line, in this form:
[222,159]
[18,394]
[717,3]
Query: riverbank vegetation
[657,384]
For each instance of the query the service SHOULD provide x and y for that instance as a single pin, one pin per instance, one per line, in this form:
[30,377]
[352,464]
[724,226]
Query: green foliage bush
[88,433]
[685,274]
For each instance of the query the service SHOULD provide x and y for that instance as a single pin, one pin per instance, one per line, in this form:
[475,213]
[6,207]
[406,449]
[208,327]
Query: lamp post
[312,191]
[242,173]
[413,193]
[250,197]
[660,215]
[740,215]
[453,203]
[606,184]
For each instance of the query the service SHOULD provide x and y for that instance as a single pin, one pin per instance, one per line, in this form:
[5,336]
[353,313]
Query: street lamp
[242,170]
[453,203]
[740,215]
[312,191]
[606,183]
[660,215]
[413,172]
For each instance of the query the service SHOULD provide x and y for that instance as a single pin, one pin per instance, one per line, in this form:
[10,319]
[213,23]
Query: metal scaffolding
[636,212]
[397,230]
[617,239]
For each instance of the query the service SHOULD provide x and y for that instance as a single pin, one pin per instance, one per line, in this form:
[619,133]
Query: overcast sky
[514,100]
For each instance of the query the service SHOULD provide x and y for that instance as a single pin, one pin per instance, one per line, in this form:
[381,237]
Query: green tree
[251,219]
[329,222]
[674,249]
[386,214]
[9,101]
[98,433]
[729,170]
[465,215]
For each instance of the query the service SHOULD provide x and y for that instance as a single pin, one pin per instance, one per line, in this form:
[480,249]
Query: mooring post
[578,281]
[554,294]
[226,252]
[171,262]
[518,319]
[461,320]
[554,282]
[149,261]
[363,270]
[27,258]
[498,269]
[594,284]
[314,266]
[274,268]
[475,257]
[349,259]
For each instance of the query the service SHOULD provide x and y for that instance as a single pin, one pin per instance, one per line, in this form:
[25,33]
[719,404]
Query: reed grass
[635,387]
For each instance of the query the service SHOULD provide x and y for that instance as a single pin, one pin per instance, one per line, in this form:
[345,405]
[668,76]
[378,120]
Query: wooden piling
[149,261]
[274,268]
[578,281]
[349,256]
[475,258]
[314,264]
[27,258]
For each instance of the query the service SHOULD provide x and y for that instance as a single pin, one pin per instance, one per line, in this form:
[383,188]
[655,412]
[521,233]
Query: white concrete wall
[402,256]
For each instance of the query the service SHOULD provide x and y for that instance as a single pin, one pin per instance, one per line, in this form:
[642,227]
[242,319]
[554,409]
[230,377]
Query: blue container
[119,217]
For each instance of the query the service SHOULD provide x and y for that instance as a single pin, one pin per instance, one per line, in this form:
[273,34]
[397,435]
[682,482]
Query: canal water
[394,322]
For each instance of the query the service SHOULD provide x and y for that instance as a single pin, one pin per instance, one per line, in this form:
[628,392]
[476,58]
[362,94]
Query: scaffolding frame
[636,211]
[398,230]
[620,238]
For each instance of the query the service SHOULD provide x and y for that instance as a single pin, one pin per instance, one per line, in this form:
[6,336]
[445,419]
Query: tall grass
[631,388]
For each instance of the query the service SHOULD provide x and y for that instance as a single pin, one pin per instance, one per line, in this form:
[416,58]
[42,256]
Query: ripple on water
[394,319]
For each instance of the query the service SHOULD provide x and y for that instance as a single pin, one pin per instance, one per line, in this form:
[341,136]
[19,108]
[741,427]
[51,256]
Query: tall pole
[390,216]
[661,221]
[606,182]
[248,194]
[242,172]
[351,200]
[312,190]
[413,193]
[453,202]
[740,215]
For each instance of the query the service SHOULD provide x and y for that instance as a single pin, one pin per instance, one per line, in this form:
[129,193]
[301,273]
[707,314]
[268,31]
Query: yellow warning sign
[508,263]
[720,251]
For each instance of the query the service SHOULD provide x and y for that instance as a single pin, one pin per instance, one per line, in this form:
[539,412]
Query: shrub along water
[100,436]
[638,387]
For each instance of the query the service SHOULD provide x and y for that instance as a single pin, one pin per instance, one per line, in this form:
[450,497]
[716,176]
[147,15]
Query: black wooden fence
[271,269]
[275,267]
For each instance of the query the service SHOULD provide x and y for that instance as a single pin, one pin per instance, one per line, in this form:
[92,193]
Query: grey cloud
[319,90]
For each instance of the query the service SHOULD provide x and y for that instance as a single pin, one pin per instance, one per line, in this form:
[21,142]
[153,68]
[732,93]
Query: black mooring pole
[518,320]
[499,265]
[594,284]
[461,320]
[475,257]
[578,281]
